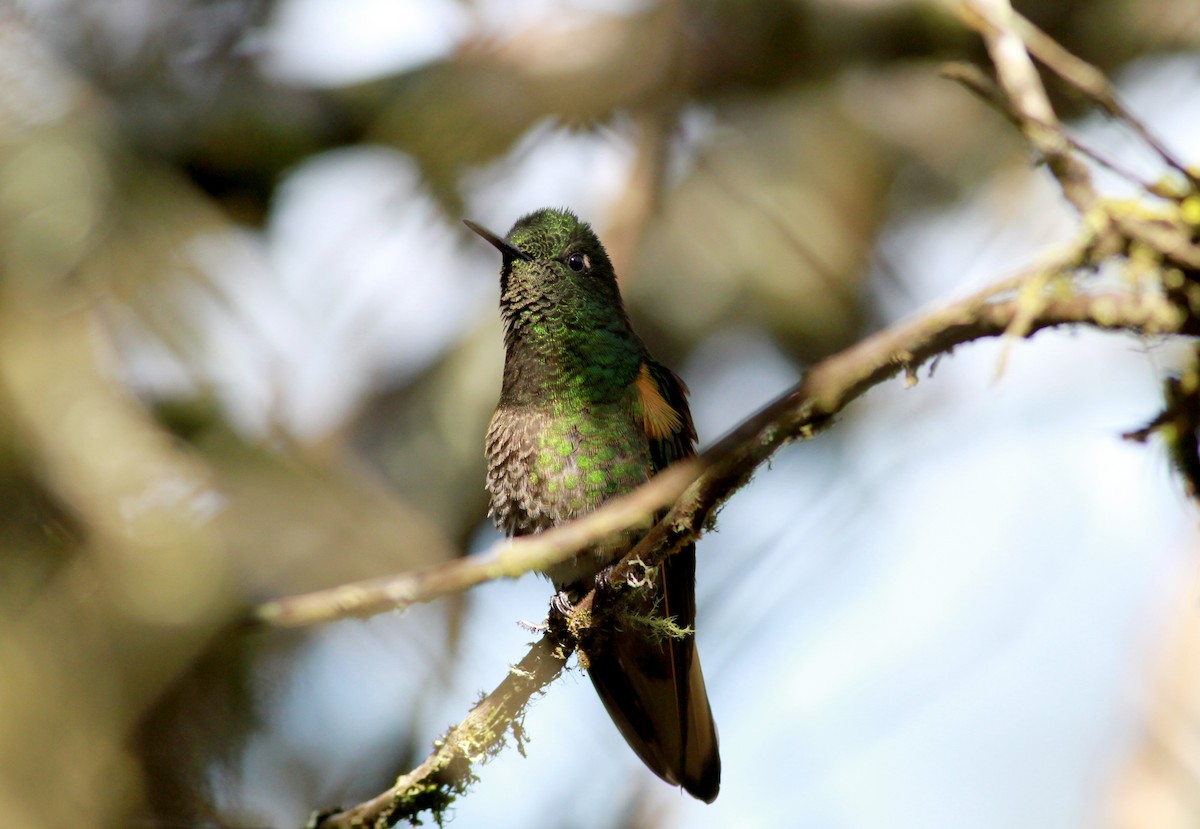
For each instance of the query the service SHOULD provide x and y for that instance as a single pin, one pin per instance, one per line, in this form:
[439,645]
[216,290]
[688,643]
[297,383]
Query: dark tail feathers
[653,688]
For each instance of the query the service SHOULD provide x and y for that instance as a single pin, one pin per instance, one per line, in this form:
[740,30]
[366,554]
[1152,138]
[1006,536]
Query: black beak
[508,251]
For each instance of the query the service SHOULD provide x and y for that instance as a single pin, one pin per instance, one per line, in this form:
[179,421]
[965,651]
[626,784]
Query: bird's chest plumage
[549,462]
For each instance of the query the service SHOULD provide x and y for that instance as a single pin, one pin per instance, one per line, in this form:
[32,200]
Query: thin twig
[1089,80]
[972,78]
[1025,102]
[997,23]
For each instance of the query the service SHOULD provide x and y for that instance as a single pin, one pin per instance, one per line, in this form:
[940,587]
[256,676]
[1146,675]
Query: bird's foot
[604,582]
[561,608]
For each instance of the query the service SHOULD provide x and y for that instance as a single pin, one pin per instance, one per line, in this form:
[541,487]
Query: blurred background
[247,349]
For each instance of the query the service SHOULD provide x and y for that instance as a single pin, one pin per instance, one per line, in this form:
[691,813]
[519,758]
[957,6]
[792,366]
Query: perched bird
[586,414]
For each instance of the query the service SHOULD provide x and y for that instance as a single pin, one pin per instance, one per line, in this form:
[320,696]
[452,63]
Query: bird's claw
[561,605]
[604,582]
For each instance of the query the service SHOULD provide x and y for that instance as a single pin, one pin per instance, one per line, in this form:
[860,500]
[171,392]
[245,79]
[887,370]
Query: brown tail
[653,689]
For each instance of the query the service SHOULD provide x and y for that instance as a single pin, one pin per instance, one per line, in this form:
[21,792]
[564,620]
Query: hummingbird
[585,415]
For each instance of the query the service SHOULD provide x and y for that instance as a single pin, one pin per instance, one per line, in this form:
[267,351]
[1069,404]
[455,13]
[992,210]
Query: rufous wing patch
[660,418]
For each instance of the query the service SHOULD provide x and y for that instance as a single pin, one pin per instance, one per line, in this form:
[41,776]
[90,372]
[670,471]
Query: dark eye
[577,262]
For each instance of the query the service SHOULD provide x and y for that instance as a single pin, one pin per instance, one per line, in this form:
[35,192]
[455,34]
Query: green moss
[659,628]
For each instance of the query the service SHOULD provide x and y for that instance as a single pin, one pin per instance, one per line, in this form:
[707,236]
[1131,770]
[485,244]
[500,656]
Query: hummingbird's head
[554,266]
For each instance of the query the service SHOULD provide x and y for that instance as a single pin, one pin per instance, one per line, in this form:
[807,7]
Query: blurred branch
[642,194]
